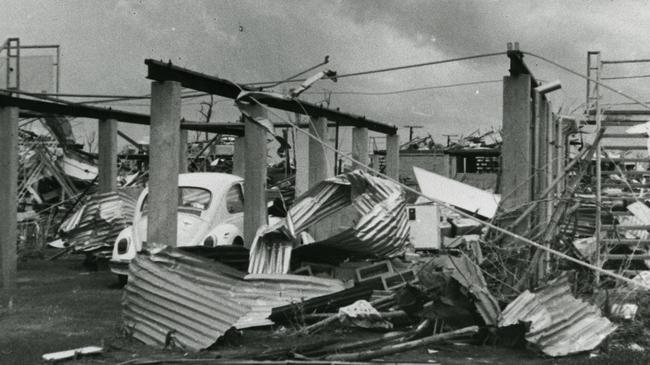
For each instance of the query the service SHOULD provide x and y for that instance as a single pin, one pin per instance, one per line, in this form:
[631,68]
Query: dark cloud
[104,44]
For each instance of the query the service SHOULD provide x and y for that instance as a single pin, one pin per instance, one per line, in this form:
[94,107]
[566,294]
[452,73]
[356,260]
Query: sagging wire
[643,104]
[388,69]
[396,92]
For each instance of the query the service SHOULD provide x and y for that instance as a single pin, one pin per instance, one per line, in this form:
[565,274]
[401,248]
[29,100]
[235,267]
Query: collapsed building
[344,252]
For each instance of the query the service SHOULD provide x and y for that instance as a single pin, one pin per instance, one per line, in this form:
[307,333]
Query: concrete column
[360,147]
[163,162]
[254,174]
[540,144]
[392,156]
[516,152]
[8,195]
[318,169]
[107,159]
[239,157]
[182,151]
[301,146]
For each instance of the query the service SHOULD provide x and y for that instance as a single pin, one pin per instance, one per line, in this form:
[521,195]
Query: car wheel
[122,279]
[238,241]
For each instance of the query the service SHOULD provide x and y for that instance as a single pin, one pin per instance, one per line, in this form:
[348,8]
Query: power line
[414,89]
[625,77]
[588,78]
[388,69]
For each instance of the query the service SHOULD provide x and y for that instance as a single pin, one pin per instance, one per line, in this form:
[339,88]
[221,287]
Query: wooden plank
[625,135]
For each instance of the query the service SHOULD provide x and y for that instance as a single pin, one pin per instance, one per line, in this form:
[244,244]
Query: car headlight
[208,242]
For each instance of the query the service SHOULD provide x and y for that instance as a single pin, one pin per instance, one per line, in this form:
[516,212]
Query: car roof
[212,181]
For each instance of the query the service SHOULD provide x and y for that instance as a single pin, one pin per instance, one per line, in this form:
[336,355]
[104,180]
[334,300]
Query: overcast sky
[104,44]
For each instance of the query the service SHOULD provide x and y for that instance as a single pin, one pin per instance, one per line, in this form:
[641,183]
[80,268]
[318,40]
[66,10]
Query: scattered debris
[466,197]
[376,223]
[556,322]
[179,298]
[97,222]
[73,354]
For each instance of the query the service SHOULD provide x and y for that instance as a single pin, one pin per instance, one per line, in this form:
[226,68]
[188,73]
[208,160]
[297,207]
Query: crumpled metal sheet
[172,295]
[96,224]
[560,324]
[379,230]
[470,276]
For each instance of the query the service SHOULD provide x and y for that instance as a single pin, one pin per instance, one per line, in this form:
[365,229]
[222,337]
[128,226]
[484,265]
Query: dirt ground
[62,305]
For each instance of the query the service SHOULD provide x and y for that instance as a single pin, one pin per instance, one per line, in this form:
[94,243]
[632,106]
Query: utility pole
[411,127]
[449,138]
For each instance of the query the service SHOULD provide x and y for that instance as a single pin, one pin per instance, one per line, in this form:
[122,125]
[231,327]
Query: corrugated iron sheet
[560,324]
[380,231]
[171,294]
[161,305]
[96,224]
[470,276]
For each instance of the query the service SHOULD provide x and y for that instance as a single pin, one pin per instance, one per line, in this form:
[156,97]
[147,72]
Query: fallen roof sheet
[97,223]
[456,193]
[379,230]
[470,276]
[194,300]
[560,324]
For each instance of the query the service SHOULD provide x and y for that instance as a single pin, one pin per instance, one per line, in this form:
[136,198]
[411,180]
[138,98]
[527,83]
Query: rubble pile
[466,290]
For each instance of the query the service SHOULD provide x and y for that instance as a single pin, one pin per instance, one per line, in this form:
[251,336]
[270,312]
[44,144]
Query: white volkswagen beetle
[210,213]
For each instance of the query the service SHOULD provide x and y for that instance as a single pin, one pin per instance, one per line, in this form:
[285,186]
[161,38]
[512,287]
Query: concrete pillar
[516,153]
[301,146]
[540,146]
[182,152]
[254,174]
[392,156]
[107,159]
[517,140]
[318,169]
[360,147]
[163,162]
[8,195]
[239,157]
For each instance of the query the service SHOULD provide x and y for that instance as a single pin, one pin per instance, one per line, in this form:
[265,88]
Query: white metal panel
[456,193]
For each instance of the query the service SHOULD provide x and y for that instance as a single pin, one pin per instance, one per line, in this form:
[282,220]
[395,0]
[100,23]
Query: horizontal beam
[161,71]
[73,110]
[622,112]
[37,109]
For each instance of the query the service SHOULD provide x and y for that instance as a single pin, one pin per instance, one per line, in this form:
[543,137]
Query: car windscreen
[190,199]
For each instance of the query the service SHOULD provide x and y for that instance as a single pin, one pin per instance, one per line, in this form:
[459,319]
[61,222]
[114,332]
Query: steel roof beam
[161,71]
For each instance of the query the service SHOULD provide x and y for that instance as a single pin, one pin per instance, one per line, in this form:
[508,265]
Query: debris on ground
[176,299]
[369,220]
[556,322]
[72,354]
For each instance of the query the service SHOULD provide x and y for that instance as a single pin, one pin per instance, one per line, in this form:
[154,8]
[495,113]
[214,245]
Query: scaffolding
[623,175]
